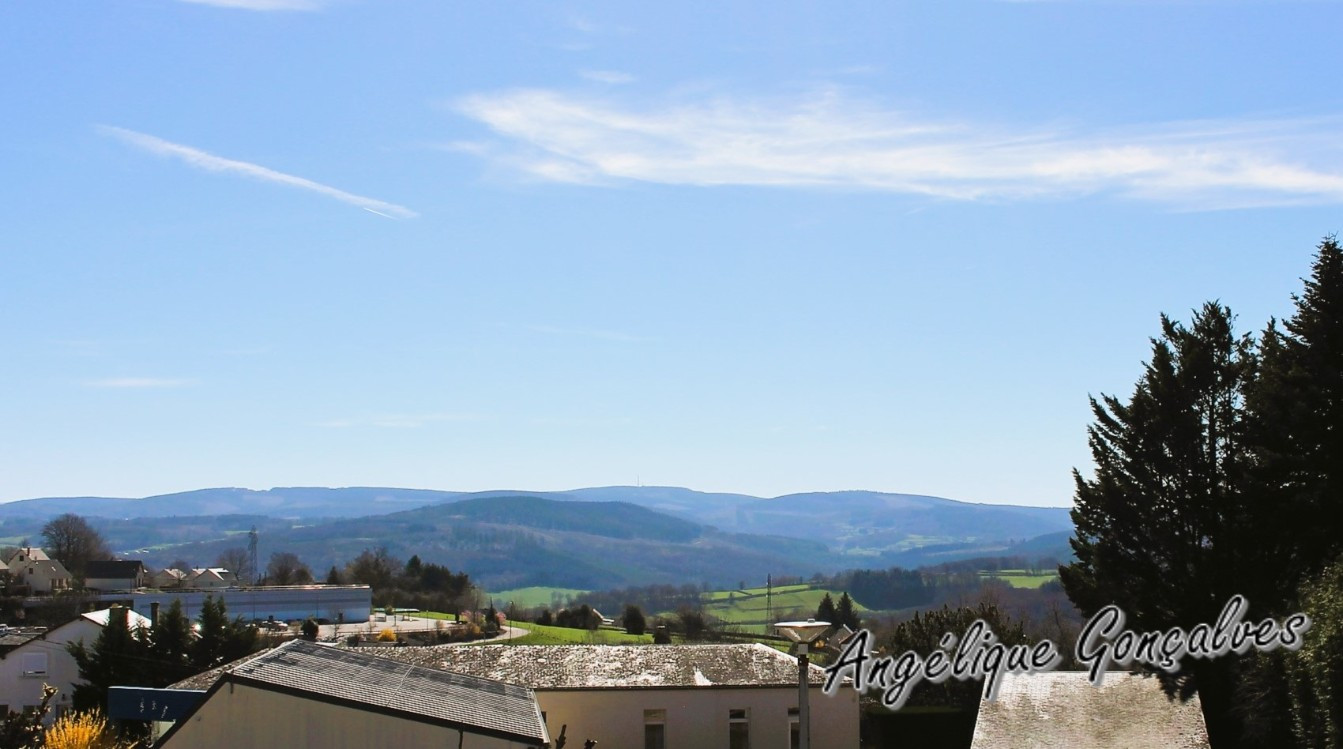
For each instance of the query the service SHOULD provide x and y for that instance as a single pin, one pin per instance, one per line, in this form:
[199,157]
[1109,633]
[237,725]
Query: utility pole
[769,598]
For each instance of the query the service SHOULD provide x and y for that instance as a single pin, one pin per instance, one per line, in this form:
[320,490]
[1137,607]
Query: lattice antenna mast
[251,551]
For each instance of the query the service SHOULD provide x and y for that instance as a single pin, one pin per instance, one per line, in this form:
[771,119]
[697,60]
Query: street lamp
[804,634]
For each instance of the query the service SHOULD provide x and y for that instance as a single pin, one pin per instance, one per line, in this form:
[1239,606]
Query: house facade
[115,575]
[32,567]
[44,660]
[169,578]
[210,578]
[636,697]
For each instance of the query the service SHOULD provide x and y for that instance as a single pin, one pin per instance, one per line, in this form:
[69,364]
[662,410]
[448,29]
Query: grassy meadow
[755,610]
[533,597]
[1021,578]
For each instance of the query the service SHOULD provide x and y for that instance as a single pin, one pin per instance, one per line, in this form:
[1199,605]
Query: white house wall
[18,690]
[697,717]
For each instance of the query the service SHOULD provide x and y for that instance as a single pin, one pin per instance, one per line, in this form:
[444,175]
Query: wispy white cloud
[212,163]
[138,382]
[830,140]
[397,420]
[263,5]
[567,421]
[604,335]
[585,25]
[607,76]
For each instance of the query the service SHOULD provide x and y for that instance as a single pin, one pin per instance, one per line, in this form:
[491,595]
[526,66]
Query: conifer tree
[844,613]
[118,656]
[826,611]
[1297,411]
[1161,524]
[170,645]
[220,640]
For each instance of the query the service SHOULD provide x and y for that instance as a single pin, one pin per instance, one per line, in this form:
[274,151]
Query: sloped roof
[615,666]
[355,679]
[206,679]
[1062,710]
[52,567]
[112,570]
[31,554]
[133,619]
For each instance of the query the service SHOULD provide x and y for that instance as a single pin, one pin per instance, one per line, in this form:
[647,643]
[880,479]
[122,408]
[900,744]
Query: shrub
[387,635]
[82,730]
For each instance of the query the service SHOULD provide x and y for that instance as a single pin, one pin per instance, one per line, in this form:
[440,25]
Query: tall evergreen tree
[170,645]
[826,611]
[220,639]
[1297,411]
[1161,524]
[119,655]
[844,613]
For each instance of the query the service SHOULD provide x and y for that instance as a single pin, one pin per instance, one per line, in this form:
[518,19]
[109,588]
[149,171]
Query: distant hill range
[585,538]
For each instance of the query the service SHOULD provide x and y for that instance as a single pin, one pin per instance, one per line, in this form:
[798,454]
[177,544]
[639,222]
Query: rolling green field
[751,610]
[1021,578]
[526,598]
[539,635]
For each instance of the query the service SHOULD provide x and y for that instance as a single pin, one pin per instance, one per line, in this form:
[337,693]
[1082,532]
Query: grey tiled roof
[614,666]
[350,676]
[1063,710]
[206,679]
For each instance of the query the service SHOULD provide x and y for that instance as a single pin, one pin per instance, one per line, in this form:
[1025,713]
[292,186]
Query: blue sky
[756,247]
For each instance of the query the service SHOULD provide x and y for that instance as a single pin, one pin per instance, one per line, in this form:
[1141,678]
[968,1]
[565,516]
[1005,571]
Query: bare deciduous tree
[237,561]
[285,568]
[74,543]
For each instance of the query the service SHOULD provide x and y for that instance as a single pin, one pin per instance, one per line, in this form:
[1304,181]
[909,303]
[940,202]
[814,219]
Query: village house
[210,578]
[168,578]
[305,694]
[115,575]
[44,660]
[31,567]
[711,696]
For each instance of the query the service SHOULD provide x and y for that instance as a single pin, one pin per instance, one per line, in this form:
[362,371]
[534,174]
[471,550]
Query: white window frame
[35,664]
[740,716]
[655,718]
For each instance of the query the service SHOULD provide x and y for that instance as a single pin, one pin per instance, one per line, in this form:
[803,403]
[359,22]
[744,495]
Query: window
[793,731]
[738,729]
[34,664]
[655,729]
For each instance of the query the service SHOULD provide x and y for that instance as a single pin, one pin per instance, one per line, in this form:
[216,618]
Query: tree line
[1222,474]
